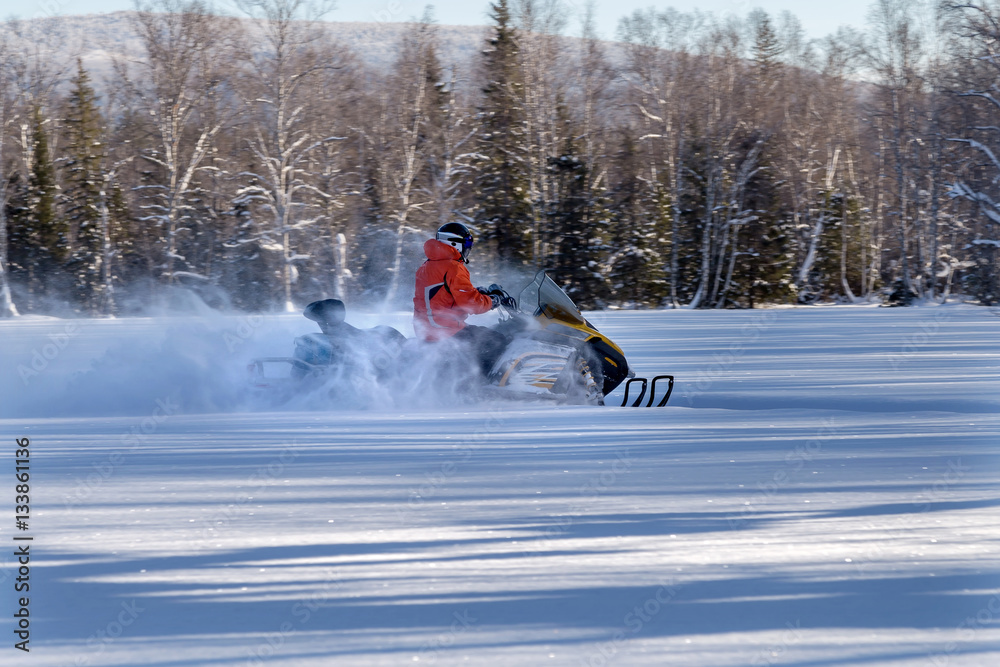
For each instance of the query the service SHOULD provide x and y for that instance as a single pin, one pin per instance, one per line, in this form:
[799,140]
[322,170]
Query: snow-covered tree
[894,51]
[663,73]
[8,117]
[721,162]
[39,236]
[453,130]
[543,63]
[287,58]
[577,227]
[403,144]
[181,82]
[976,85]
[502,181]
[83,176]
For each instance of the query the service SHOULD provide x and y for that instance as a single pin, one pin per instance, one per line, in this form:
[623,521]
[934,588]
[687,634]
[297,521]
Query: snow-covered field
[823,490]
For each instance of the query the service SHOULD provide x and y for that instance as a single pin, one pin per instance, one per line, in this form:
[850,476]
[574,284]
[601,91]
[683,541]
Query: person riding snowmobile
[444,296]
[342,344]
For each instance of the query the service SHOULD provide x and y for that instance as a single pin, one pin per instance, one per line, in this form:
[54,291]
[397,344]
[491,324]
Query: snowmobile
[556,353]
[553,353]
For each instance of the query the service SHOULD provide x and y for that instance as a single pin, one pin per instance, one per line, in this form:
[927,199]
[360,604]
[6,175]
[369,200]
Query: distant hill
[96,37]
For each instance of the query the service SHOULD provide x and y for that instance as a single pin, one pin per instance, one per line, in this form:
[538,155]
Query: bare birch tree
[414,89]
[290,57]
[894,51]
[662,72]
[539,23]
[181,82]
[981,22]
[8,117]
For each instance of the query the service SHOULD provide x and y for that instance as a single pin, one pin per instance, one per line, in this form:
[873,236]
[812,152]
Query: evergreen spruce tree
[765,52]
[761,253]
[693,208]
[578,222]
[22,248]
[625,199]
[502,183]
[122,238]
[51,229]
[38,237]
[764,262]
[438,141]
[637,233]
[983,280]
[439,97]
[841,236]
[83,178]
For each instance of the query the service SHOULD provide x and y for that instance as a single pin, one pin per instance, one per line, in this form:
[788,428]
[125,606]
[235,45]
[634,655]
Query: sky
[818,18]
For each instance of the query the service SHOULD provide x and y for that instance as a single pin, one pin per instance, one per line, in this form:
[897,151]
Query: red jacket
[444,294]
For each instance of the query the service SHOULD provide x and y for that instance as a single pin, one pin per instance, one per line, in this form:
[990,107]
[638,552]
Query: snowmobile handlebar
[506,300]
[502,295]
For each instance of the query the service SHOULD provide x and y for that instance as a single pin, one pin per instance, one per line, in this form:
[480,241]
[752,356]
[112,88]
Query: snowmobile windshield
[542,296]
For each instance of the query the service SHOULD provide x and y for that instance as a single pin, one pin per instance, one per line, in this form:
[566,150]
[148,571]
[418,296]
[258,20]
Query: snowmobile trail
[822,491]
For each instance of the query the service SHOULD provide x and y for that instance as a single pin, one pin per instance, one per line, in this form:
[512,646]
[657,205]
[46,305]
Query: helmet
[328,313]
[457,236]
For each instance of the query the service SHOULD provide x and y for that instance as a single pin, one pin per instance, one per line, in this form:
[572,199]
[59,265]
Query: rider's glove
[494,289]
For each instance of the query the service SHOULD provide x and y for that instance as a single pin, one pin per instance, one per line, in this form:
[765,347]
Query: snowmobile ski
[652,391]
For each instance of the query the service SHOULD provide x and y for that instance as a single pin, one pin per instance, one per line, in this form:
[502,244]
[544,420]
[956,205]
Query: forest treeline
[697,162]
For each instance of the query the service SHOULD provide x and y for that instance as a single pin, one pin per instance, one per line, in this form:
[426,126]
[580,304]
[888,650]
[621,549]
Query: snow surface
[822,490]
